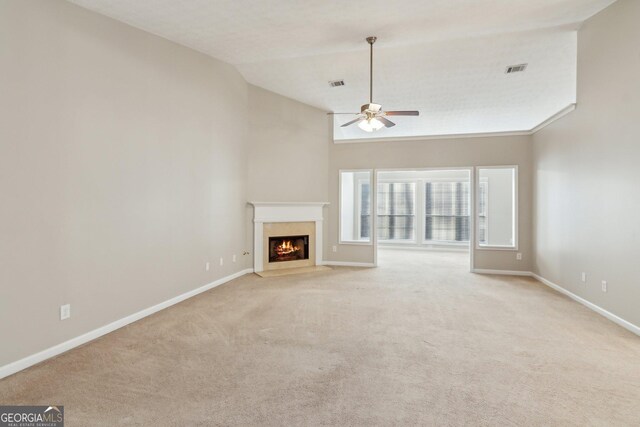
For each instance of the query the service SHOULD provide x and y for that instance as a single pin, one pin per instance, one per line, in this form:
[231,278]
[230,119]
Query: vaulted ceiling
[446,58]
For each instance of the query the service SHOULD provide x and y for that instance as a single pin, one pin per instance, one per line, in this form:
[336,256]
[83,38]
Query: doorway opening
[424,215]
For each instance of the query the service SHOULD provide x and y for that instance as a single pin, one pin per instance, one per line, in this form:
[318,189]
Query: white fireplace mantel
[266,212]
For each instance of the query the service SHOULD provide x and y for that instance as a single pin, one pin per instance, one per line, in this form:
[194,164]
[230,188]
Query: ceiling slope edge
[563,112]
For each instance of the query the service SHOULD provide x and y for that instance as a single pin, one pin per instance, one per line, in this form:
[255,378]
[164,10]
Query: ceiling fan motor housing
[373,108]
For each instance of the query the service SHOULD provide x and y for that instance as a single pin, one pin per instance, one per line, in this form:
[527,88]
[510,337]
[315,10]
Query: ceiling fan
[371,116]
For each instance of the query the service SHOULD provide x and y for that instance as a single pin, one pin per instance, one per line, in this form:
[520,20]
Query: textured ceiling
[443,57]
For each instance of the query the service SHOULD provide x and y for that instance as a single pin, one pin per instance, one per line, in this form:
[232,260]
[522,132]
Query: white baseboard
[349,264]
[601,311]
[616,319]
[502,272]
[33,359]
[50,352]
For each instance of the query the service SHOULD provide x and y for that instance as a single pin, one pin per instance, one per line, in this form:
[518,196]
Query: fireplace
[288,248]
[287,221]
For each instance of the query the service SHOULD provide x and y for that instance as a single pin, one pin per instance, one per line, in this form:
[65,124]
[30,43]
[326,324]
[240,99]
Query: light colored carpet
[418,342]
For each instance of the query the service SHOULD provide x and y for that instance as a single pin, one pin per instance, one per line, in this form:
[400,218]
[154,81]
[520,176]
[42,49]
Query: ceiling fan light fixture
[370,125]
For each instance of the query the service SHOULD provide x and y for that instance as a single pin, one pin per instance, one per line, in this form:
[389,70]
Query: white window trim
[516,202]
[371,186]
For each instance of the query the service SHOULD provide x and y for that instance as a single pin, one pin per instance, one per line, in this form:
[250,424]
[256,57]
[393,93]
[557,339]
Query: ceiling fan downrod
[371,40]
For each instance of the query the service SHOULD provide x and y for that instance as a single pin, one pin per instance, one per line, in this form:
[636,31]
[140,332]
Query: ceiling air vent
[515,68]
[336,83]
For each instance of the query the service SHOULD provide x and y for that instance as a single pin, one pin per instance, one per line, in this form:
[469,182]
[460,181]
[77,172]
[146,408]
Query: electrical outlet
[207,266]
[519,256]
[234,258]
[221,261]
[65,311]
[604,286]
[335,248]
[583,277]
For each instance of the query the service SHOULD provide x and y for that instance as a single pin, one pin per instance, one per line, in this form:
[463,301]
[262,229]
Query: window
[446,211]
[364,197]
[424,207]
[497,207]
[483,195]
[355,206]
[396,210]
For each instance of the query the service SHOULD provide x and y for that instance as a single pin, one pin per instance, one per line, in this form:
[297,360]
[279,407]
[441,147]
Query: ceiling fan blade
[402,113]
[335,114]
[359,119]
[386,122]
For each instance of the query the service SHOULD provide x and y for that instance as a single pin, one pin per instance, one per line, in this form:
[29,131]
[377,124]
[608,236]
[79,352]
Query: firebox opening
[288,248]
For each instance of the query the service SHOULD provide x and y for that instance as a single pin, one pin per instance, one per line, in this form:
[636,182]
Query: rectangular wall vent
[515,68]
[336,83]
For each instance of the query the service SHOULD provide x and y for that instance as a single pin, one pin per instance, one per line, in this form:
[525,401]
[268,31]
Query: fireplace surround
[296,227]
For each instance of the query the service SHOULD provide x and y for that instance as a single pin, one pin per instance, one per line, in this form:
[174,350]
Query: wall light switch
[604,286]
[65,311]
[335,248]
[519,256]
[207,266]
[583,277]
[234,258]
[221,261]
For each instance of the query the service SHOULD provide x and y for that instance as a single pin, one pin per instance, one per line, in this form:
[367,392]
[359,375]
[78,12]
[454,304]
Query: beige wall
[288,152]
[126,162]
[288,149]
[462,152]
[586,171]
[122,171]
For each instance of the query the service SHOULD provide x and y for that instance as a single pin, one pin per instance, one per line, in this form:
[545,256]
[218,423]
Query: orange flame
[286,248]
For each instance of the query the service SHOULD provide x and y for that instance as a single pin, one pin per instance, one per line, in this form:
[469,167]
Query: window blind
[365,210]
[447,211]
[482,212]
[396,210]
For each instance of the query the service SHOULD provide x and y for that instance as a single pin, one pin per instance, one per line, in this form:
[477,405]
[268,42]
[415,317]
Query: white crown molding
[566,110]
[563,112]
[50,352]
[431,137]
